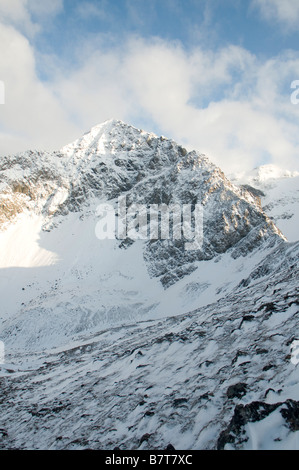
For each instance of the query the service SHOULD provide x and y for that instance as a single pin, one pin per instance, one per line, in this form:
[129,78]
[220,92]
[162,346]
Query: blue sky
[214,75]
[210,23]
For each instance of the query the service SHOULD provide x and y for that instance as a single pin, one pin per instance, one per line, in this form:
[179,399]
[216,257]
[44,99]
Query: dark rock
[145,438]
[291,414]
[170,447]
[254,412]
[179,401]
[205,396]
[236,391]
[248,317]
[268,367]
[262,351]
[3,432]
[243,414]
[254,191]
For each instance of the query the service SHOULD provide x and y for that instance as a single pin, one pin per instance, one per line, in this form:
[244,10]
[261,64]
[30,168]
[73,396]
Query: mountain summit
[114,159]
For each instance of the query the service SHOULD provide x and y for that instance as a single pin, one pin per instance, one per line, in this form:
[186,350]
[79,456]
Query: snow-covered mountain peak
[265,174]
[138,343]
[278,190]
[270,172]
[113,159]
[108,137]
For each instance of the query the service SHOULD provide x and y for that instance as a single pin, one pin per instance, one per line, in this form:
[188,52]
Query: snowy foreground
[138,345]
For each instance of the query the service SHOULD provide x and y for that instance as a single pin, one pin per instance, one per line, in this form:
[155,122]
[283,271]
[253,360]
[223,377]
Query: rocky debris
[291,414]
[3,432]
[237,390]
[145,438]
[235,434]
[93,395]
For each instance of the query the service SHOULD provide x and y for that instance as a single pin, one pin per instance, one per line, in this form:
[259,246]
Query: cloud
[87,9]
[285,12]
[15,12]
[225,102]
[45,8]
[32,114]
[19,13]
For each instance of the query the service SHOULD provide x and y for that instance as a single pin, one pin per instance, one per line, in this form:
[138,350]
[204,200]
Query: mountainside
[279,193]
[137,343]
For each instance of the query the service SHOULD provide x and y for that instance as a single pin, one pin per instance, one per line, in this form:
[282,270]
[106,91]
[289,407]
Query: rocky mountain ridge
[115,159]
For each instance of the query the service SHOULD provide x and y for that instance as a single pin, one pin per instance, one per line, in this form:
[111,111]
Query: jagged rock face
[115,159]
[30,181]
[277,190]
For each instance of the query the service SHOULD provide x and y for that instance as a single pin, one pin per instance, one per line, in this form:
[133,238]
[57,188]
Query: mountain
[137,341]
[279,193]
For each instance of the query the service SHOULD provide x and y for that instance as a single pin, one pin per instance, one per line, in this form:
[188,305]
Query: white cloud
[225,103]
[283,11]
[15,12]
[31,115]
[87,9]
[45,8]
[18,13]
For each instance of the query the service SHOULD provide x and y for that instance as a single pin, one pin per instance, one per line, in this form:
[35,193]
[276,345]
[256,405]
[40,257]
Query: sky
[216,76]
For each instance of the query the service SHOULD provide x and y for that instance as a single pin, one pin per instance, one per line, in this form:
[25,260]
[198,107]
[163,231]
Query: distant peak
[263,174]
[272,171]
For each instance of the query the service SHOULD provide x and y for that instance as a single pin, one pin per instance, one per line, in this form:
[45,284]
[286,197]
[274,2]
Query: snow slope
[218,377]
[69,283]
